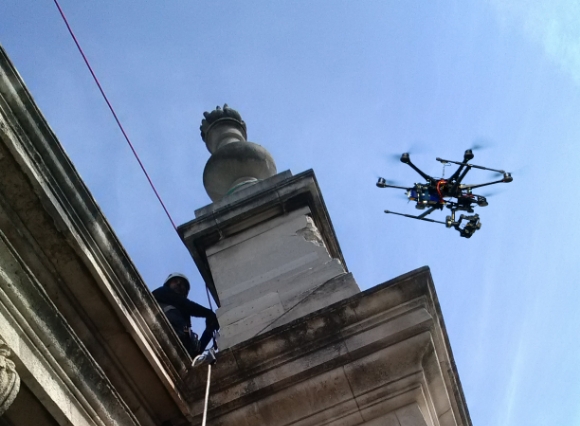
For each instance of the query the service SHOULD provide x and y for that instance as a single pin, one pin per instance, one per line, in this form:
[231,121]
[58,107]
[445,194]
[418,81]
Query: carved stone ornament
[235,162]
[221,115]
[9,379]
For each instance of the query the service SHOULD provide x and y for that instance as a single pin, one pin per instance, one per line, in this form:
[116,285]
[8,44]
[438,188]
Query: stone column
[265,246]
[9,379]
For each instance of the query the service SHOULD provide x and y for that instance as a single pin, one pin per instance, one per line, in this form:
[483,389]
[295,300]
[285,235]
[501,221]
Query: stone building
[82,342]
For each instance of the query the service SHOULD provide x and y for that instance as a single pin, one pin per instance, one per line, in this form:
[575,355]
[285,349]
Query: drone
[436,194]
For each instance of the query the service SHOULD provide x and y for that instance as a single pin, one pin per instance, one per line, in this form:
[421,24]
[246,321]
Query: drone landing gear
[471,223]
[420,217]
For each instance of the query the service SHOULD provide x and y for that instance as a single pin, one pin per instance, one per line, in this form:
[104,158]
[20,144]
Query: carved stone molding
[9,379]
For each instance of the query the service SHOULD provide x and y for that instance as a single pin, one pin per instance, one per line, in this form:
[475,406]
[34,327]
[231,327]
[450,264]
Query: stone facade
[380,357]
[79,330]
[82,341]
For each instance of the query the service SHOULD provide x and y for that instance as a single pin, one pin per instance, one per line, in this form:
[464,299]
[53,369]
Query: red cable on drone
[439,183]
[114,114]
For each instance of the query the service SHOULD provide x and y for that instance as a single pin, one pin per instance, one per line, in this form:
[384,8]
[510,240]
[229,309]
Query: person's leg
[181,328]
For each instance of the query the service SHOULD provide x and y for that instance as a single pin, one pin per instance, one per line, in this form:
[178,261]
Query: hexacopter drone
[439,193]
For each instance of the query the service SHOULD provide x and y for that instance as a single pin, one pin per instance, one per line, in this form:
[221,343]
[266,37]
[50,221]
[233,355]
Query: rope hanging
[121,128]
[209,357]
[114,113]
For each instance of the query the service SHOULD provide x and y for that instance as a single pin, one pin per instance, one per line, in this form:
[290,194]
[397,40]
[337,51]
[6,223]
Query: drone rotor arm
[459,179]
[426,213]
[471,165]
[396,187]
[483,184]
[417,169]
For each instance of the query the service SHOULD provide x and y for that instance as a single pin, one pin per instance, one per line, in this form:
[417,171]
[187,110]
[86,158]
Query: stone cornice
[400,320]
[91,256]
[33,326]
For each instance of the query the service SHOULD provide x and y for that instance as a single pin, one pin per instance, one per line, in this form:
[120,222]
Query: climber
[172,297]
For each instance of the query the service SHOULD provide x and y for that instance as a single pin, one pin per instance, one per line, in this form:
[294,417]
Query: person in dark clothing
[172,297]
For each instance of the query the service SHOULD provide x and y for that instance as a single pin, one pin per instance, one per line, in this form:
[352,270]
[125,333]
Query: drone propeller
[488,194]
[494,174]
[415,148]
[394,158]
[521,171]
[480,144]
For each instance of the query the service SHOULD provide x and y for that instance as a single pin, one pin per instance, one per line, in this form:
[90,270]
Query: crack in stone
[311,233]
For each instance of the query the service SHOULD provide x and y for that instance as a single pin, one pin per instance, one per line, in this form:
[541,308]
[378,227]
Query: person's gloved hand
[211,322]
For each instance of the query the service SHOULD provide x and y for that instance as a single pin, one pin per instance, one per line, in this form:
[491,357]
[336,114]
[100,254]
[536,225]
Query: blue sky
[339,87]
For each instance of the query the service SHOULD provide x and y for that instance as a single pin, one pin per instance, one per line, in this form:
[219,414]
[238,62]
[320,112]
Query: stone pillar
[265,247]
[273,273]
[9,379]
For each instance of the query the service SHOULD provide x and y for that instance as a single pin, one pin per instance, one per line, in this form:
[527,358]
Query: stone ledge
[242,193]
[65,237]
[49,354]
[394,326]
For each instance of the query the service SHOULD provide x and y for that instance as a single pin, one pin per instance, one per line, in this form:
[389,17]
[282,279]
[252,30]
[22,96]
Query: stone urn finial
[234,162]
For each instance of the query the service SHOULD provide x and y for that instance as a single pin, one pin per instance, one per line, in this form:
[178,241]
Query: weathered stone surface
[235,163]
[74,268]
[350,363]
[237,311]
[275,257]
[272,273]
[264,201]
[386,420]
[9,378]
[409,415]
[263,257]
[92,347]
[249,326]
[243,193]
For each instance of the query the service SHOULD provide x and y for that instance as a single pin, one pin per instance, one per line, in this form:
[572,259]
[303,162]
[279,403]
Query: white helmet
[176,275]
